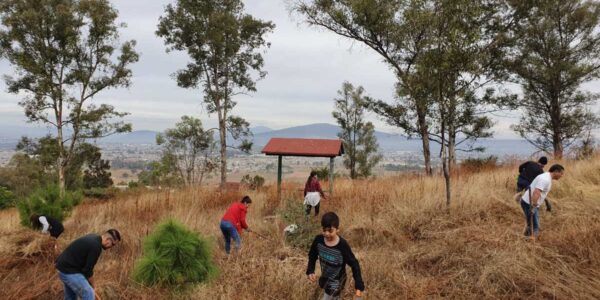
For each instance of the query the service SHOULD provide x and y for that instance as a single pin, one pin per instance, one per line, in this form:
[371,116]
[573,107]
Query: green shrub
[100,193]
[254,183]
[47,201]
[174,256]
[323,173]
[479,164]
[307,226]
[7,198]
[133,184]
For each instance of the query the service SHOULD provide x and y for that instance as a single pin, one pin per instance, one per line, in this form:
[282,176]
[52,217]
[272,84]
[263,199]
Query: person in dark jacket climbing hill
[47,224]
[528,171]
[313,193]
[334,254]
[76,264]
[233,222]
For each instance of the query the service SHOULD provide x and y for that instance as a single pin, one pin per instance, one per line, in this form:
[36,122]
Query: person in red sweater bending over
[313,193]
[233,222]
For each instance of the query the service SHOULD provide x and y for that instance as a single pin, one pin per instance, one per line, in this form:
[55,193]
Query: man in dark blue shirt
[76,264]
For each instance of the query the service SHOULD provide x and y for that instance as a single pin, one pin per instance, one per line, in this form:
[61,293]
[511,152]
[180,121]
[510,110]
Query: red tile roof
[304,147]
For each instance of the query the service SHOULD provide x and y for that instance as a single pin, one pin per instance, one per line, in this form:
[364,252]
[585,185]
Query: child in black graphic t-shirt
[334,254]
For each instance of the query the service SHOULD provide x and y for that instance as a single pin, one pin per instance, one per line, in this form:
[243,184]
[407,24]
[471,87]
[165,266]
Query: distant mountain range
[134,137]
[387,142]
[321,131]
[262,135]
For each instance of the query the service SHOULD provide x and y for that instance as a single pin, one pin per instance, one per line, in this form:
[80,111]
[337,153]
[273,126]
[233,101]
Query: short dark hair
[246,199]
[115,234]
[330,220]
[556,168]
[543,160]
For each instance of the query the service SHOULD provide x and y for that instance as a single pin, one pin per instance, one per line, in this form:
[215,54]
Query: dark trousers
[308,207]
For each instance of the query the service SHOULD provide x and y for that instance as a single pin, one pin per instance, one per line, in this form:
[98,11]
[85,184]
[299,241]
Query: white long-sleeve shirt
[45,224]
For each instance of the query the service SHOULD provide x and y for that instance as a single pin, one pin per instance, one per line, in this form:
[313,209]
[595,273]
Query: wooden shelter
[303,147]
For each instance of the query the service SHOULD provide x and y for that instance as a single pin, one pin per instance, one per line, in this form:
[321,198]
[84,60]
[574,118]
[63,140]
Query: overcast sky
[306,66]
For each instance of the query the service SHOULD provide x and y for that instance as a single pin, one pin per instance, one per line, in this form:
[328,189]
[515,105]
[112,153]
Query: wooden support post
[331,176]
[279,163]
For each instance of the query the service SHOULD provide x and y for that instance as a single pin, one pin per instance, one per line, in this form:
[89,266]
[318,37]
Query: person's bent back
[47,224]
[233,222]
[528,171]
[76,263]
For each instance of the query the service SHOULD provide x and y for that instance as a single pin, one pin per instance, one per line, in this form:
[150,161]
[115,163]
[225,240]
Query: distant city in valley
[129,153]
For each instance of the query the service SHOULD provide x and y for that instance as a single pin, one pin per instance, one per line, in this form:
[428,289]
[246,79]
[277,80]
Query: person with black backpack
[528,171]
[535,195]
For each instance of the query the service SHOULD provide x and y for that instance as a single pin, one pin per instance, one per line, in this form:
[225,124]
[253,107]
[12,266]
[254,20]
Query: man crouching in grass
[334,254]
[76,264]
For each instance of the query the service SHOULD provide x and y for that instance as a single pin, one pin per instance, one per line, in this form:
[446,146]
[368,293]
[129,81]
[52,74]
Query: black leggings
[308,207]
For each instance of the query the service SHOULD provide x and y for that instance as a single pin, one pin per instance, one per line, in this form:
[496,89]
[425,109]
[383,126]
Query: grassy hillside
[408,245]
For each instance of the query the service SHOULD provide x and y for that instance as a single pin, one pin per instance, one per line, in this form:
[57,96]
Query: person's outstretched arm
[243,219]
[313,254]
[90,262]
[351,260]
[320,189]
[535,196]
[548,204]
[305,189]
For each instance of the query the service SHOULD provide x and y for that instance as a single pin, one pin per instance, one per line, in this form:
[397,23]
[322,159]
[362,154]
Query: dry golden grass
[409,246]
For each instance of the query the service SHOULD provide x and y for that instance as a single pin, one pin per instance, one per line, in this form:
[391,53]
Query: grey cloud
[305,66]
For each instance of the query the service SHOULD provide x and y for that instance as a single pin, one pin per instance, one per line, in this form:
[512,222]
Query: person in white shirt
[47,224]
[535,195]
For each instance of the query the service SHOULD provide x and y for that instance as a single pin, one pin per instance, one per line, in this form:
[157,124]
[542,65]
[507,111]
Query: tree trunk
[61,159]
[192,168]
[353,155]
[451,149]
[200,177]
[426,153]
[223,142]
[447,180]
[446,170]
[558,150]
[451,134]
[424,133]
[444,153]
[189,177]
[557,144]
[61,175]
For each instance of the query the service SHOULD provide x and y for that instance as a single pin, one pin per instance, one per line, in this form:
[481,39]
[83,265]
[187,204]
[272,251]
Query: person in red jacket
[313,193]
[233,222]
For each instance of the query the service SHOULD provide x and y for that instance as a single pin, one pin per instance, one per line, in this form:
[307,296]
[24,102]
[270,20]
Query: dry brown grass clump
[409,246]
[26,256]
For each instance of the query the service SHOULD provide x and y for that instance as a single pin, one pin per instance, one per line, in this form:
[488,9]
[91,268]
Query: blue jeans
[230,232]
[536,219]
[76,285]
